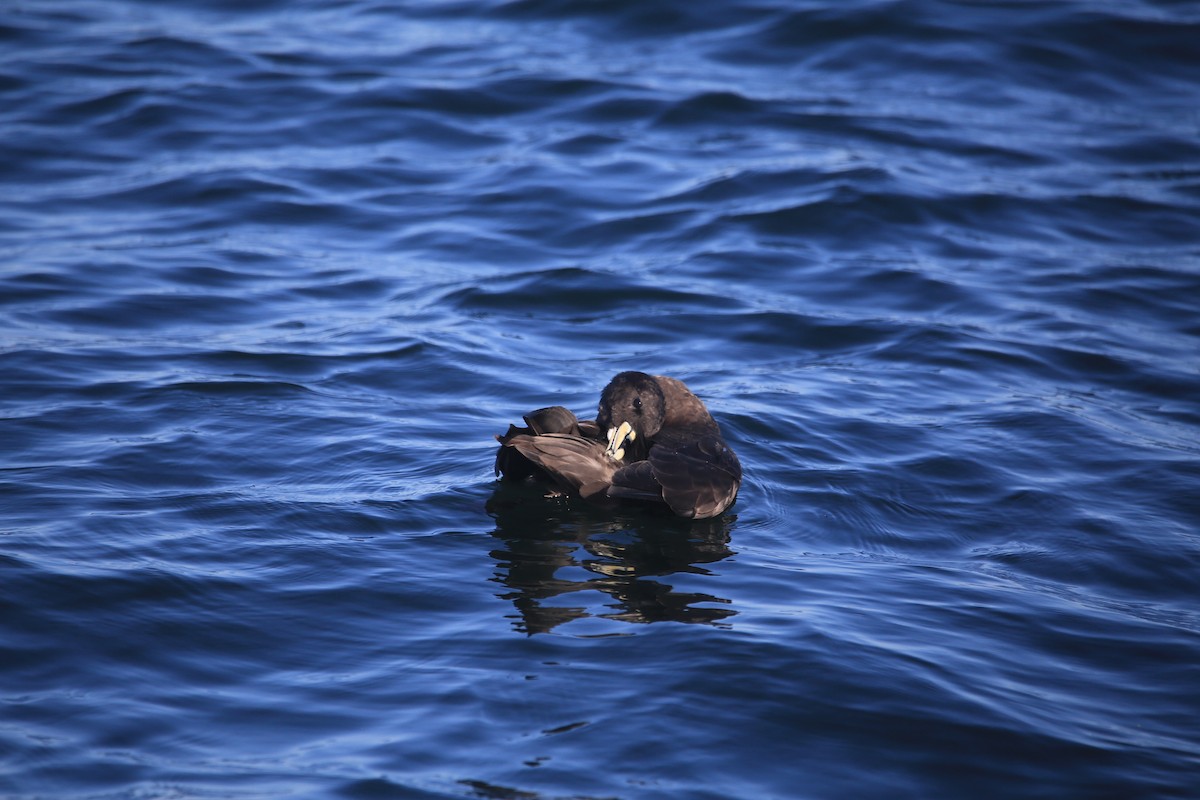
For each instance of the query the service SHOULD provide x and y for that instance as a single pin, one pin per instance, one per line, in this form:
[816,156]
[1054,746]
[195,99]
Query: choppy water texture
[273,274]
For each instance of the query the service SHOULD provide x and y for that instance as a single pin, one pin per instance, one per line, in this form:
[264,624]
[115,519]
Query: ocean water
[273,274]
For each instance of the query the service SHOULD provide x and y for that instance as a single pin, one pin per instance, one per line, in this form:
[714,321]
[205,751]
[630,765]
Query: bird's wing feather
[700,477]
[636,482]
[553,419]
[575,463]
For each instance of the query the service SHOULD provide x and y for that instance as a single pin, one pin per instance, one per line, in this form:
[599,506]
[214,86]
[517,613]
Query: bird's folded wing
[699,478]
[636,482]
[553,419]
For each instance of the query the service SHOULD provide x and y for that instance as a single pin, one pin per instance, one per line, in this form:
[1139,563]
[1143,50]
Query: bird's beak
[617,438]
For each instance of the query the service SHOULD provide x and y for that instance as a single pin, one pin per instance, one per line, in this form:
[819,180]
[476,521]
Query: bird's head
[632,409]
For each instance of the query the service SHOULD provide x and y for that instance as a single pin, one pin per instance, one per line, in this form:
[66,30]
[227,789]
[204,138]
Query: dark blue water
[273,274]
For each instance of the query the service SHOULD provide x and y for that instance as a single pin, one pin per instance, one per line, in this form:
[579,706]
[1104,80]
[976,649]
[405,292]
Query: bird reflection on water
[555,547]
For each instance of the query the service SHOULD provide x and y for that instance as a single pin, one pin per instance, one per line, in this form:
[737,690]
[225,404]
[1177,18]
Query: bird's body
[652,440]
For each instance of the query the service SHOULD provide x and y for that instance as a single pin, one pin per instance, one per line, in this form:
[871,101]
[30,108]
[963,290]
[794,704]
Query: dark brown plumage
[652,439]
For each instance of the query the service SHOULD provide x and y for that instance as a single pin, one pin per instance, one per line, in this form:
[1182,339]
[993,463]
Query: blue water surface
[273,274]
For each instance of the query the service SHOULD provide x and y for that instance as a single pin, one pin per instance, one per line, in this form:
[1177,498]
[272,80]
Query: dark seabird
[652,439]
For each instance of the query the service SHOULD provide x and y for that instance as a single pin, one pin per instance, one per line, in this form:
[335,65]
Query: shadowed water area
[273,274]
